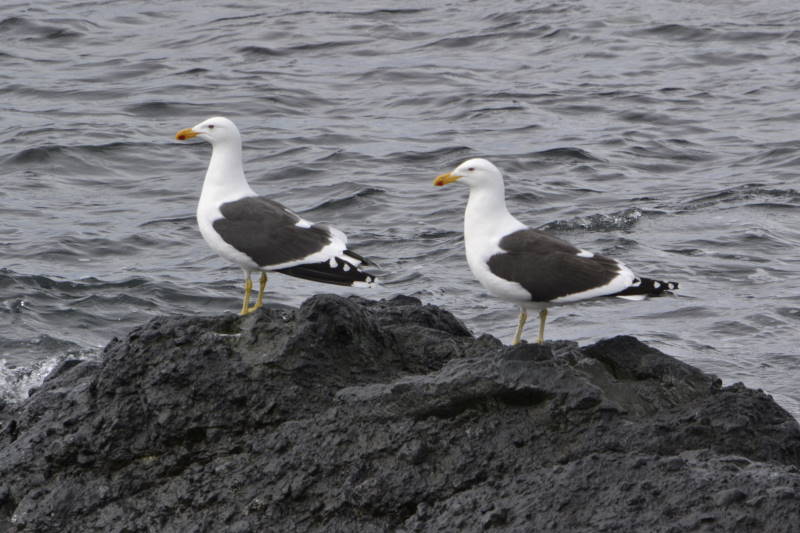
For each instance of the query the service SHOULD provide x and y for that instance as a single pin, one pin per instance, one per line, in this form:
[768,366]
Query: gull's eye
[211,126]
[471,169]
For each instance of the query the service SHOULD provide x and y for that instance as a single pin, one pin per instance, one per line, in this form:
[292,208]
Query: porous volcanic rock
[355,415]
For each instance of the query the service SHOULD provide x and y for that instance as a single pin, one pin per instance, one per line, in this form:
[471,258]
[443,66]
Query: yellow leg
[542,319]
[248,286]
[262,283]
[523,316]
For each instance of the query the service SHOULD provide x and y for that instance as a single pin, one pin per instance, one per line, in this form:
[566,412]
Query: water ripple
[662,134]
[598,222]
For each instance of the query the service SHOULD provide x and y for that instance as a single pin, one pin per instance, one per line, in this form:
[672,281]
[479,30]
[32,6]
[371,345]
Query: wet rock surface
[355,415]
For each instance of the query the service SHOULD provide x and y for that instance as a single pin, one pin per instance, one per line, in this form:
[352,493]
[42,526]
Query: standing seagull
[259,234]
[528,267]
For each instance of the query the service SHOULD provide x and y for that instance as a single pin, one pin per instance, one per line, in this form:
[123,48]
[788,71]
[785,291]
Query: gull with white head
[258,233]
[528,267]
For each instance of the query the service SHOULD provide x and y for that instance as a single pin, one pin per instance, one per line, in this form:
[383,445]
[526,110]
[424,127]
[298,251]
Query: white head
[475,173]
[214,130]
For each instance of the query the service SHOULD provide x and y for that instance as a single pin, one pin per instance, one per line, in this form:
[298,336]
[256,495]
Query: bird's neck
[486,215]
[225,179]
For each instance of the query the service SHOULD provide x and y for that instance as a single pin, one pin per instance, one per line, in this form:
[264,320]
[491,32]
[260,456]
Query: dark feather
[549,268]
[326,274]
[266,231]
[650,287]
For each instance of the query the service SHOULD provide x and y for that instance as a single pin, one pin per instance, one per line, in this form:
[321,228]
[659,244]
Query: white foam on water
[17,381]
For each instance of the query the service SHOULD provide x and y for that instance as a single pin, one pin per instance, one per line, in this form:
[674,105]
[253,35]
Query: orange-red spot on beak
[185,134]
[444,179]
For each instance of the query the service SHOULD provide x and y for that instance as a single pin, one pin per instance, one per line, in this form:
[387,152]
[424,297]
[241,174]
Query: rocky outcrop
[355,415]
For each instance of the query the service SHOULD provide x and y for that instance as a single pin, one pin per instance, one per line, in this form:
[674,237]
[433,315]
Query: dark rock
[729,496]
[355,415]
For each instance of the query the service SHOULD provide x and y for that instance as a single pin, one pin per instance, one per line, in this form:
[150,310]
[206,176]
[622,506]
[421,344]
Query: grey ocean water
[664,133]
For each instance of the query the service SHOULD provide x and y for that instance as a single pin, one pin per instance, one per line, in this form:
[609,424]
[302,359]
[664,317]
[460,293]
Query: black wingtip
[359,257]
[335,271]
[649,287]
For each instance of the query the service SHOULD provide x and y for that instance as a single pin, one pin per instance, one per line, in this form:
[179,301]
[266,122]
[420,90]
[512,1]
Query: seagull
[258,233]
[528,267]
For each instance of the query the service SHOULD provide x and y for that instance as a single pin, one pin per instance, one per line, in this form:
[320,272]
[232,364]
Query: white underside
[208,211]
[477,257]
[485,226]
[225,182]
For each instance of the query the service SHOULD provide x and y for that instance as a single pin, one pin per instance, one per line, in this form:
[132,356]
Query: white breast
[482,235]
[208,211]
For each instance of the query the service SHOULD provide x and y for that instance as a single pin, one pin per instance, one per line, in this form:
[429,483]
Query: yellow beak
[444,179]
[185,134]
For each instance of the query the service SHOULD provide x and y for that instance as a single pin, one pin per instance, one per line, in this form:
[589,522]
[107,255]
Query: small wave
[679,32]
[25,363]
[650,117]
[181,221]
[685,151]
[580,109]
[444,157]
[745,195]
[42,343]
[598,222]
[295,102]
[422,75]
[50,152]
[337,202]
[62,33]
[466,41]
[334,139]
[328,45]
[91,248]
[294,173]
[567,152]
[484,111]
[16,382]
[459,42]
[159,109]
[35,281]
[40,154]
[381,12]
[750,36]
[261,51]
[727,59]
[64,160]
[776,155]
[22,26]
[789,312]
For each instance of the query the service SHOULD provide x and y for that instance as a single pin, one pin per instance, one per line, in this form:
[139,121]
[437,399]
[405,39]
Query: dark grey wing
[267,231]
[549,268]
